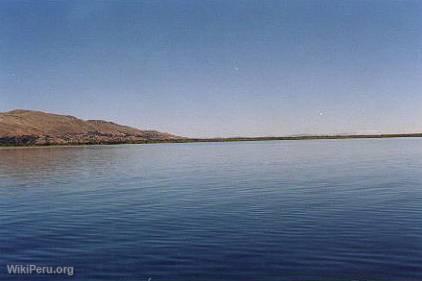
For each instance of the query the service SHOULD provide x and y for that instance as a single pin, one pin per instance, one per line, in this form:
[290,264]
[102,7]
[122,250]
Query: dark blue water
[293,210]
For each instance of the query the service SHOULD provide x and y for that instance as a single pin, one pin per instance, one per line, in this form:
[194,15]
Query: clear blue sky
[218,68]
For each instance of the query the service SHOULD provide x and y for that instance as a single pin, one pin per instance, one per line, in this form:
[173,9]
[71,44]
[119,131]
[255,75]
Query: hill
[27,127]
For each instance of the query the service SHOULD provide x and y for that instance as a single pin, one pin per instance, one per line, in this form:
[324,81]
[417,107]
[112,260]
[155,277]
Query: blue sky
[218,68]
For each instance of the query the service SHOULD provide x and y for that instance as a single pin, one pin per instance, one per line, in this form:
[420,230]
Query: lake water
[282,210]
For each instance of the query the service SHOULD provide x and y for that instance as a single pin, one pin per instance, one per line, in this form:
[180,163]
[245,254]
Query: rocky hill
[26,127]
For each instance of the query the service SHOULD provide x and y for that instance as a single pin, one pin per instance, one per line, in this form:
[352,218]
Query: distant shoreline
[230,139]
[311,137]
[29,128]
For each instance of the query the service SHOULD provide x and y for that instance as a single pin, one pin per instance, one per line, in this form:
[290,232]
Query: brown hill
[26,127]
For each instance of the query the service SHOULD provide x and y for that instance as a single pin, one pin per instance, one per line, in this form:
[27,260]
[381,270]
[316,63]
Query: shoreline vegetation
[15,142]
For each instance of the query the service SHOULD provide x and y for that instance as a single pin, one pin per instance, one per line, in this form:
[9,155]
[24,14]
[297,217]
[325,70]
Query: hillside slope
[26,127]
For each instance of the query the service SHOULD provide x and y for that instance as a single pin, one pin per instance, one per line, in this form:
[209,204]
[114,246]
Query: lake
[276,210]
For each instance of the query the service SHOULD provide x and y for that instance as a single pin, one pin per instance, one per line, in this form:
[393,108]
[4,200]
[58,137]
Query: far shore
[232,139]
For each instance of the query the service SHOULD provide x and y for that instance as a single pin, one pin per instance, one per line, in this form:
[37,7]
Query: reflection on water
[299,210]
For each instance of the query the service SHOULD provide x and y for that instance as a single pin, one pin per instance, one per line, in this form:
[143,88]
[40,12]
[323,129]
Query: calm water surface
[292,210]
